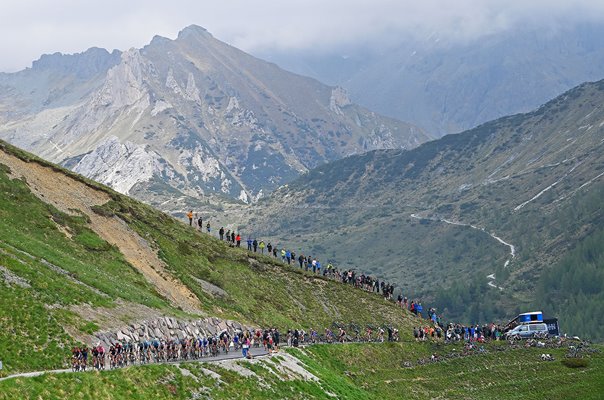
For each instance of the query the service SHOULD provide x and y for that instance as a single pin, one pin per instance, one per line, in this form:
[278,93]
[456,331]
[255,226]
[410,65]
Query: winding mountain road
[512,248]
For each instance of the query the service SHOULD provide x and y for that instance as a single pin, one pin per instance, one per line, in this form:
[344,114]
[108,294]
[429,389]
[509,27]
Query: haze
[32,28]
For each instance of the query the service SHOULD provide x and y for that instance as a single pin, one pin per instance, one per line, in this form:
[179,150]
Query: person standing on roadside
[261,246]
[190,216]
[419,309]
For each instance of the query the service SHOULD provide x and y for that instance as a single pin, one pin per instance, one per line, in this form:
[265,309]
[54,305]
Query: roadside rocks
[168,328]
[211,289]
[7,276]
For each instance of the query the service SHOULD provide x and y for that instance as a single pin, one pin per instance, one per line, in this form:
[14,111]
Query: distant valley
[490,213]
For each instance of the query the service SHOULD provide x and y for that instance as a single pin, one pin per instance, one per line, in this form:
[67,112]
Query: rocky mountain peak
[203,117]
[194,32]
[86,64]
[125,82]
[157,39]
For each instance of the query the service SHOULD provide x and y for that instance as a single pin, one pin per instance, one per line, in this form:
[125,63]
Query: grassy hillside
[66,273]
[374,371]
[71,272]
[434,218]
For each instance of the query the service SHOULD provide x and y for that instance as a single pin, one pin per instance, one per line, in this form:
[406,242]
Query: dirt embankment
[70,195]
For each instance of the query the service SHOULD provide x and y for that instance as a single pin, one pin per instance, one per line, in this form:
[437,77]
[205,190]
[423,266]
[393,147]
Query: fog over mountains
[446,85]
[186,117]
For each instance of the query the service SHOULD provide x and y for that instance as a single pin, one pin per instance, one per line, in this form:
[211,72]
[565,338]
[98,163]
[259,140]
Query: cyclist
[84,358]
[119,350]
[95,357]
[101,351]
[75,358]
[236,341]
[342,335]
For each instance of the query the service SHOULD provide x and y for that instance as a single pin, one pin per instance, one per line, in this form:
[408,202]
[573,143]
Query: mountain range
[499,219]
[492,211]
[186,118]
[446,85]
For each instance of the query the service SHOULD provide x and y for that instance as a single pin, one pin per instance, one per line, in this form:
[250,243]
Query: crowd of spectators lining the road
[159,350]
[438,329]
[307,263]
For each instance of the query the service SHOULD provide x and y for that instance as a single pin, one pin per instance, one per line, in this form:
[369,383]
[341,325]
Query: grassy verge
[343,371]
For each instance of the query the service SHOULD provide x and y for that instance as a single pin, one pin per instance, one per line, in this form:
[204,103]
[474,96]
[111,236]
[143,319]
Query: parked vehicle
[528,331]
[535,317]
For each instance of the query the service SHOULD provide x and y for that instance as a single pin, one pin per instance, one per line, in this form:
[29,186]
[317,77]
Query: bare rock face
[118,165]
[339,98]
[125,83]
[211,289]
[167,328]
[12,279]
[187,117]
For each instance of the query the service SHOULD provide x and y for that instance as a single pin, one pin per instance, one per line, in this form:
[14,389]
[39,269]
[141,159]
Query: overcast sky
[31,28]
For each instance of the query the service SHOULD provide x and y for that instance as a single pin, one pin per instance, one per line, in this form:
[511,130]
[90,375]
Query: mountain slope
[447,86]
[83,263]
[54,81]
[191,117]
[456,218]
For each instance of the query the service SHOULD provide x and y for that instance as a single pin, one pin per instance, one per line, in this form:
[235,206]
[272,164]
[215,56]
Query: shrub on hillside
[102,211]
[575,362]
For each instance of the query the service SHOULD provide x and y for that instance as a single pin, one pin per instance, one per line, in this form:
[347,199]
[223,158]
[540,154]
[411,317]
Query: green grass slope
[350,371]
[57,275]
[53,265]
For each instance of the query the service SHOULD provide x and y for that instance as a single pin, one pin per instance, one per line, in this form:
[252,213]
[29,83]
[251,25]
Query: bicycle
[573,352]
[75,363]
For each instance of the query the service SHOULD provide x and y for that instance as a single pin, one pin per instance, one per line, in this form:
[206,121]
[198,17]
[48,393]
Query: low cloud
[30,29]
